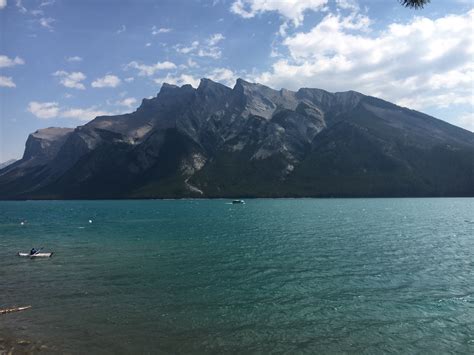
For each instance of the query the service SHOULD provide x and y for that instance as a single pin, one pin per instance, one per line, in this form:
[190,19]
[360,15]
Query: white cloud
[20,7]
[129,79]
[6,82]
[208,49]
[179,80]
[44,110]
[149,70]
[3,3]
[37,12]
[223,75]
[122,29]
[292,10]
[8,62]
[148,44]
[108,81]
[74,59]
[348,5]
[47,2]
[211,52]
[46,22]
[192,64]
[71,80]
[466,121]
[84,114]
[188,49]
[420,63]
[127,102]
[215,39]
[49,110]
[156,31]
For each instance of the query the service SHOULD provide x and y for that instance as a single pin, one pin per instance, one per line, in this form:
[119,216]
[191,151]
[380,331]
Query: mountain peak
[241,81]
[51,133]
[206,84]
[174,90]
[250,140]
[167,86]
[206,81]
[246,84]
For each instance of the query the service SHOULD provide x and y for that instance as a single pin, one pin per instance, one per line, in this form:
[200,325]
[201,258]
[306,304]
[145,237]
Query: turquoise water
[271,276]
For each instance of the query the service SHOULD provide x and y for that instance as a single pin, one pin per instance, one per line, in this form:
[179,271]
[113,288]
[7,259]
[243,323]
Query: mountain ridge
[249,141]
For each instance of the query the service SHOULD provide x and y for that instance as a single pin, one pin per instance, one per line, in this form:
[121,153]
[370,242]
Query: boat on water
[15,309]
[36,255]
[237,202]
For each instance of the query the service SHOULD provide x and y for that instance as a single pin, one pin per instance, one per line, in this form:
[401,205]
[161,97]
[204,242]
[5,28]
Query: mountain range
[6,163]
[247,141]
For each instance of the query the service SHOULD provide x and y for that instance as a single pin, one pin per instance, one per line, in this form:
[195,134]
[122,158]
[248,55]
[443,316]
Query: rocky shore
[10,345]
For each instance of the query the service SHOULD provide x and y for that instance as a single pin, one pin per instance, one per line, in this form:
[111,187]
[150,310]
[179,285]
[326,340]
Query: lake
[270,276]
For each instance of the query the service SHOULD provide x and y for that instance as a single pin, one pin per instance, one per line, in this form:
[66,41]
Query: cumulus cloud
[223,75]
[156,31]
[71,80]
[84,114]
[44,110]
[348,5]
[215,39]
[149,70]
[292,10]
[3,3]
[187,49]
[74,59]
[6,82]
[181,79]
[423,62]
[49,110]
[108,81]
[127,102]
[191,63]
[211,52]
[129,79]
[9,62]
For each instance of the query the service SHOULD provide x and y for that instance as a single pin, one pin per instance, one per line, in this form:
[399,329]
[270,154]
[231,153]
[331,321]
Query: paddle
[36,252]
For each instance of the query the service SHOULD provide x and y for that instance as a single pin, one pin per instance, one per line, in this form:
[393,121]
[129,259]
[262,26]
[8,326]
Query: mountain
[6,163]
[249,140]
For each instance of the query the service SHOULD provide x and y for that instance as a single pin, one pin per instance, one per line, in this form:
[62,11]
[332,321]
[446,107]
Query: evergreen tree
[415,4]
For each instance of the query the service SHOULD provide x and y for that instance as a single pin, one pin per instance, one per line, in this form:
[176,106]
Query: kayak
[16,309]
[37,255]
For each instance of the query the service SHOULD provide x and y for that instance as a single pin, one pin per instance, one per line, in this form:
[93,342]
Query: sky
[64,62]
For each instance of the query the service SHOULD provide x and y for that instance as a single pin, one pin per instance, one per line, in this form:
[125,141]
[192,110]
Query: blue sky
[62,62]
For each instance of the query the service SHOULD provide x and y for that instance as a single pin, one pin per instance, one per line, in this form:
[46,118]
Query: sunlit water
[281,276]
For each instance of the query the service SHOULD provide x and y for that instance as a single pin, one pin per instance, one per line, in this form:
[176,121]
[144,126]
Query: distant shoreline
[232,198]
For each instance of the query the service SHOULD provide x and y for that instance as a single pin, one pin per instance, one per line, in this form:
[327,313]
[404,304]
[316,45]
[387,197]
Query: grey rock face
[249,140]
[44,144]
[7,163]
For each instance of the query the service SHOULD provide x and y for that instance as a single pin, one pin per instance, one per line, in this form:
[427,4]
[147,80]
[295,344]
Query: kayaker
[33,251]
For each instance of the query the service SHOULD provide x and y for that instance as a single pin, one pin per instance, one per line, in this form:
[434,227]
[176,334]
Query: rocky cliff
[249,140]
